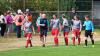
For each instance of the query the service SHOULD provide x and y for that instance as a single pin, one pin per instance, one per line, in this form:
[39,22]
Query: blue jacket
[88,25]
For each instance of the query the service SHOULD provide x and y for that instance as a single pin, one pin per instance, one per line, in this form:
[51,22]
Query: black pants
[88,33]
[18,31]
[3,29]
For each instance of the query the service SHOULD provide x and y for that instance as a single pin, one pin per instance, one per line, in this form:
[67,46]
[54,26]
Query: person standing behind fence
[19,20]
[9,22]
[2,25]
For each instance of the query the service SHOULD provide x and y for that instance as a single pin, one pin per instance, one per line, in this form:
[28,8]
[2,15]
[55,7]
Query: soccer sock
[79,40]
[27,42]
[73,40]
[66,40]
[30,42]
[92,42]
[56,40]
[86,42]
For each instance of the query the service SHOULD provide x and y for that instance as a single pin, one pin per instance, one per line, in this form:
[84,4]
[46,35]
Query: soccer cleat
[31,46]
[43,45]
[93,46]
[85,46]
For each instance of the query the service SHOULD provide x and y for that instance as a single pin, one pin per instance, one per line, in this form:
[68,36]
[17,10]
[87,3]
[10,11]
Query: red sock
[66,40]
[27,42]
[56,40]
[79,40]
[73,40]
[30,42]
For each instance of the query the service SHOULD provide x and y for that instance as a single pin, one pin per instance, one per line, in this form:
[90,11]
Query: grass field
[9,47]
[55,51]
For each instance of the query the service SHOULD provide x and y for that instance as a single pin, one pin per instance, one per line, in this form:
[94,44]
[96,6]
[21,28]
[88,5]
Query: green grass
[55,51]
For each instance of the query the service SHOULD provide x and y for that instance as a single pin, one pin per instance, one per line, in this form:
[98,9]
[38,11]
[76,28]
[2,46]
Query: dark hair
[8,12]
[55,15]
[87,16]
[77,17]
[63,16]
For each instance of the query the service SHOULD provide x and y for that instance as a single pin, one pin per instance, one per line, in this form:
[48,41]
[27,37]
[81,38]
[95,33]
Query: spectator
[2,25]
[19,20]
[9,22]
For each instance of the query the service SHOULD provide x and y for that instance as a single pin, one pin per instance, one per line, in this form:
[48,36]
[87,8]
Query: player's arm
[92,26]
[33,29]
[80,26]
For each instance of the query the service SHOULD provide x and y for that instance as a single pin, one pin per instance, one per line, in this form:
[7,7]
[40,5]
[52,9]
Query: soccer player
[55,29]
[76,29]
[65,27]
[28,28]
[89,28]
[38,21]
[43,29]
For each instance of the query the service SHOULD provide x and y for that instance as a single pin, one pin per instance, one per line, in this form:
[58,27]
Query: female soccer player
[65,27]
[76,29]
[38,21]
[89,28]
[43,29]
[55,29]
[28,28]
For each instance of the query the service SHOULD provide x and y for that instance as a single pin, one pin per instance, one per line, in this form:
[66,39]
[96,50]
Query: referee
[89,29]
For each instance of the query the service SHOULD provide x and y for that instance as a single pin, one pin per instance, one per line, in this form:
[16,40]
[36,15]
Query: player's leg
[44,37]
[78,35]
[66,37]
[41,39]
[30,38]
[92,40]
[27,40]
[38,29]
[73,36]
[86,37]
[44,40]
[56,37]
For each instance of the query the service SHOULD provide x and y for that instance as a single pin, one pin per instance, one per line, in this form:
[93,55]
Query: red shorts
[29,35]
[76,32]
[55,32]
[65,33]
[38,29]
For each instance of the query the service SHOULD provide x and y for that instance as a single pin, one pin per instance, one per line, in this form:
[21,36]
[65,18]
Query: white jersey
[55,23]
[76,24]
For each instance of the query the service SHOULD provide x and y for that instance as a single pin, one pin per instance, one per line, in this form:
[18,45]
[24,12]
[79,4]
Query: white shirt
[2,19]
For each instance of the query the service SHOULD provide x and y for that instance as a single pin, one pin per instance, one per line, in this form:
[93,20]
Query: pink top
[16,18]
